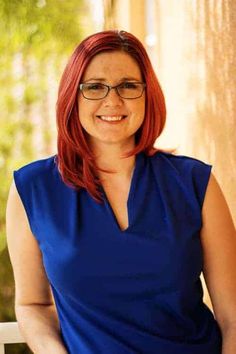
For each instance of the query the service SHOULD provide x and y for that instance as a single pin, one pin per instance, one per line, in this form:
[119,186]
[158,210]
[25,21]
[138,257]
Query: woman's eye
[95,87]
[129,85]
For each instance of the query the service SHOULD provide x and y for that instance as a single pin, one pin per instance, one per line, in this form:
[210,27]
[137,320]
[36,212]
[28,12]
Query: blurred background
[193,50]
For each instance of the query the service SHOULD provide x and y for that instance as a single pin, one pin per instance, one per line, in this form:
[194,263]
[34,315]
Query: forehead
[115,64]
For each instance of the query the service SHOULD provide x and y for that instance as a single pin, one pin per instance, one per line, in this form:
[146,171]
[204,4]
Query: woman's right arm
[34,305]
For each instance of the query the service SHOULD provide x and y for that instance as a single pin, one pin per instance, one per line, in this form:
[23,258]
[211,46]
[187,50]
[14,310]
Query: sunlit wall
[197,67]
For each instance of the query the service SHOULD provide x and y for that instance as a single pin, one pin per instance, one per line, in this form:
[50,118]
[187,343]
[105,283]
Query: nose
[112,98]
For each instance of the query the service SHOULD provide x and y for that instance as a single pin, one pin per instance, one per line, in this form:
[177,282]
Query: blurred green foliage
[36,39]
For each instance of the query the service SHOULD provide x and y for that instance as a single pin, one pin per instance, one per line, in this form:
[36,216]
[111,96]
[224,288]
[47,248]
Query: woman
[111,235]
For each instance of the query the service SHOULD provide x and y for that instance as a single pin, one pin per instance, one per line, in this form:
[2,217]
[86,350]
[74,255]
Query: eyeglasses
[98,91]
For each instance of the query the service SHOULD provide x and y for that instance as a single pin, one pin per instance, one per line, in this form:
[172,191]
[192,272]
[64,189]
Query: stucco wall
[197,67]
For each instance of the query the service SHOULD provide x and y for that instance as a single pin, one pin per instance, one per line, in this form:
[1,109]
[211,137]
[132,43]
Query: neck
[109,157]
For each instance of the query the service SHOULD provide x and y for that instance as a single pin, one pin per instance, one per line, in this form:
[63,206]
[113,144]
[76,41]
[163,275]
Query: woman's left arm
[218,237]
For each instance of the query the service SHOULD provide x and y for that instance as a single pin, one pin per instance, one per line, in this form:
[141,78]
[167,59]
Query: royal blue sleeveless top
[131,291]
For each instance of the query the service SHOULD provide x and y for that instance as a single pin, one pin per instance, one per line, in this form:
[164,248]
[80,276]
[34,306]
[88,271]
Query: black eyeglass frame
[109,87]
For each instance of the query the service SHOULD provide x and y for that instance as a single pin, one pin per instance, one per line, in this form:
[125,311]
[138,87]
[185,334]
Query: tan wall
[128,15]
[197,68]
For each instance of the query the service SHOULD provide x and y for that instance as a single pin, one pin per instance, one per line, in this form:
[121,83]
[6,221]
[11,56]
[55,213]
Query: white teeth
[111,118]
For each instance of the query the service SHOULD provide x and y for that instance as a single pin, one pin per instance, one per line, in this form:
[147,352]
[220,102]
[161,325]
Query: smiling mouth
[112,118]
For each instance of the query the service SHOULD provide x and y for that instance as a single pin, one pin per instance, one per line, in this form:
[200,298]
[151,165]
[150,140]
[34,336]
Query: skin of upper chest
[117,194]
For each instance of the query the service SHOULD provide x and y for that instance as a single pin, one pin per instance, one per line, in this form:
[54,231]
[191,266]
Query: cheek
[83,108]
[139,111]
[143,109]
[85,111]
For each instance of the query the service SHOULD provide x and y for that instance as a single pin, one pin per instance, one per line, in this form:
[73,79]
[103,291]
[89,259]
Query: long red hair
[75,160]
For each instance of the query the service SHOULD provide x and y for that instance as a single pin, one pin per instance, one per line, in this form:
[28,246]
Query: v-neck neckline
[129,199]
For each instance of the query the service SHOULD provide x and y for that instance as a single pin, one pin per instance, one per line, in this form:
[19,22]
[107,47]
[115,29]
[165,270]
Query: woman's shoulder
[190,173]
[36,168]
[180,163]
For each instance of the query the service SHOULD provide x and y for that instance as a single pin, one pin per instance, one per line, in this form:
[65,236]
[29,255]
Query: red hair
[75,159]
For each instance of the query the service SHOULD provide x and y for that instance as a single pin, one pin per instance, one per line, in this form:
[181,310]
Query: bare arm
[34,306]
[218,238]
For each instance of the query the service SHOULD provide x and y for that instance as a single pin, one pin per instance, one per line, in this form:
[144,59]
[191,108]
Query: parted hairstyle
[75,159]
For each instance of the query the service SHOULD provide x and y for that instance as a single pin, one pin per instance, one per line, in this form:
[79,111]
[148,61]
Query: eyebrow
[129,78]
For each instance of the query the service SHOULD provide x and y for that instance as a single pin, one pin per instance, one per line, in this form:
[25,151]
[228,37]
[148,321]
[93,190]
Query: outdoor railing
[9,334]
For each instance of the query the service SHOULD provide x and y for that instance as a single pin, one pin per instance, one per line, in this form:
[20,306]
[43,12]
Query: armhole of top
[203,178]
[20,190]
